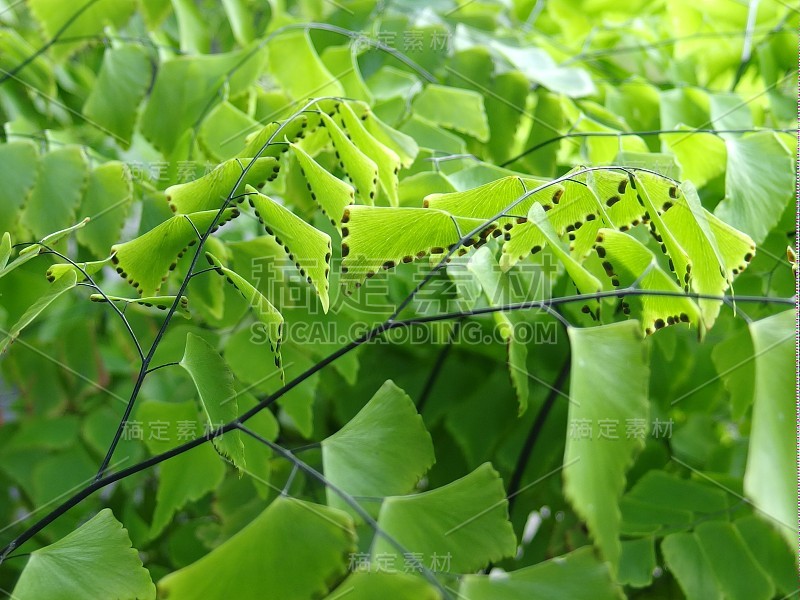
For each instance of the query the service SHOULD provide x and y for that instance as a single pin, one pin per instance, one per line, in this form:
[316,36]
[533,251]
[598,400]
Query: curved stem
[106,480]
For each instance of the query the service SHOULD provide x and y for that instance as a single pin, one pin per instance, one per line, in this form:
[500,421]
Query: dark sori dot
[622,186]
[660,324]
[536,249]
[601,252]
[612,201]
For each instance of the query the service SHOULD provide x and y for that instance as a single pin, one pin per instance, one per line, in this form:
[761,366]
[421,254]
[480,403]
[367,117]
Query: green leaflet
[568,212]
[38,74]
[63,284]
[94,561]
[490,199]
[574,576]
[657,196]
[214,382]
[718,251]
[192,32]
[400,449]
[258,303]
[537,232]
[637,562]
[59,187]
[387,161]
[279,133]
[759,182]
[595,465]
[307,246]
[626,261]
[454,108]
[367,585]
[404,145]
[106,204]
[210,191]
[146,261]
[119,89]
[379,237]
[90,268]
[359,167]
[18,172]
[466,520]
[295,549]
[33,250]
[224,131]
[183,88]
[685,558]
[187,477]
[297,67]
[330,193]
[486,270]
[770,550]
[701,156]
[342,62]
[540,68]
[660,503]
[769,476]
[618,199]
[714,562]
[54,16]
[159,302]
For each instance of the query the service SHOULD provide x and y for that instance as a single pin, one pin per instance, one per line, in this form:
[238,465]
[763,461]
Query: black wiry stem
[184,284]
[533,435]
[106,480]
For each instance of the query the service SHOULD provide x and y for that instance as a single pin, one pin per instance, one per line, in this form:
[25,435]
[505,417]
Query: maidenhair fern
[313,200]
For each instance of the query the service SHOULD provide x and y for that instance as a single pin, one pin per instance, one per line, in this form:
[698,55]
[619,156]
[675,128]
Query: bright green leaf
[608,386]
[400,449]
[466,519]
[96,560]
[214,382]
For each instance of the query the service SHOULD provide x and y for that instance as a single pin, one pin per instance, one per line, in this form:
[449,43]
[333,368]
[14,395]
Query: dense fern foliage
[476,300]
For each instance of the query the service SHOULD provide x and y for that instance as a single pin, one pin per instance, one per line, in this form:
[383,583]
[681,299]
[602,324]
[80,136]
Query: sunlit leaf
[95,560]
[210,191]
[595,464]
[294,549]
[331,193]
[214,382]
[400,452]
[308,247]
[770,470]
[454,108]
[465,521]
[145,261]
[259,304]
[574,576]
